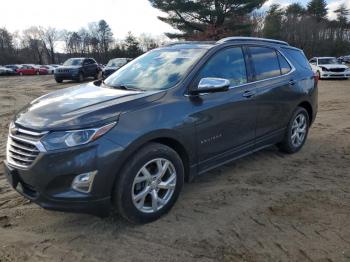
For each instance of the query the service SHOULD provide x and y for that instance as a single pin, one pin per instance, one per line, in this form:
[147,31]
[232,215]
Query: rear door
[225,121]
[274,82]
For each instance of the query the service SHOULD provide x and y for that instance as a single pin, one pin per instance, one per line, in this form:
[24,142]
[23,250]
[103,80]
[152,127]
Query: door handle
[248,93]
[291,82]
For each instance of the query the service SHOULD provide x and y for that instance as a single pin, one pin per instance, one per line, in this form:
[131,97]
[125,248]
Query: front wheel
[297,131]
[149,184]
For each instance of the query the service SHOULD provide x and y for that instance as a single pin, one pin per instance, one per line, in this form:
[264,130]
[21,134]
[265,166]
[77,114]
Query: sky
[137,16]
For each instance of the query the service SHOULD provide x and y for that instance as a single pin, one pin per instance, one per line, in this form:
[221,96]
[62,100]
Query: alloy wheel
[299,129]
[154,185]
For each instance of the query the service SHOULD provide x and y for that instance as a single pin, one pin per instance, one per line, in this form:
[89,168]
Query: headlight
[324,69]
[64,139]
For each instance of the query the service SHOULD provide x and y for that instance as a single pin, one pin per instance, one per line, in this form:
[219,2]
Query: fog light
[83,182]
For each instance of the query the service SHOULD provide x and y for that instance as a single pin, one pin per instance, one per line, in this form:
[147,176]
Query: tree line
[307,27]
[40,45]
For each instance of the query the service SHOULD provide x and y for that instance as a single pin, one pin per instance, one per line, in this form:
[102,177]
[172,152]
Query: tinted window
[297,58]
[73,62]
[285,67]
[228,64]
[265,62]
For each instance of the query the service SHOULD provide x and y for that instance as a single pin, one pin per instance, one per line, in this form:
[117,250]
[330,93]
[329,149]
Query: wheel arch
[307,106]
[164,137]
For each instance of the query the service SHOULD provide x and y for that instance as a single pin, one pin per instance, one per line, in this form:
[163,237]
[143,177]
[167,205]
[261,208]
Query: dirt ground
[264,207]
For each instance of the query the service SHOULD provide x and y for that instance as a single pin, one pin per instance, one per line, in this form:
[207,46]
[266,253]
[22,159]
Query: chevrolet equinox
[130,141]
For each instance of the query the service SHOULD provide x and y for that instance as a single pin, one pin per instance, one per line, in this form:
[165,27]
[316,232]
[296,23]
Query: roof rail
[188,42]
[242,38]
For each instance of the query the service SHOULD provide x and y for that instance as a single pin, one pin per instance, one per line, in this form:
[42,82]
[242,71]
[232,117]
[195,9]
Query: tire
[21,73]
[98,75]
[58,80]
[294,139]
[127,189]
[37,73]
[80,78]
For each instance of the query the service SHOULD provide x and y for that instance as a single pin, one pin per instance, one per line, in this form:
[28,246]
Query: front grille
[338,70]
[23,147]
[63,70]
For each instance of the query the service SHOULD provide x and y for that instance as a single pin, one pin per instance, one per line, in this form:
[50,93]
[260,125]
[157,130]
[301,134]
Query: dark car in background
[77,69]
[177,111]
[113,65]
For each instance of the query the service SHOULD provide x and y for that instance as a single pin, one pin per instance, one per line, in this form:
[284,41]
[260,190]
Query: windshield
[116,62]
[327,61]
[156,70]
[73,62]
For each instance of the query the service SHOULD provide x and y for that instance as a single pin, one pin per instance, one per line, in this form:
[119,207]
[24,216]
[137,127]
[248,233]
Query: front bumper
[67,75]
[330,75]
[48,181]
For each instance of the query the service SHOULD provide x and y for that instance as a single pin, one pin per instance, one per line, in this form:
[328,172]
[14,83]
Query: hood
[82,106]
[333,66]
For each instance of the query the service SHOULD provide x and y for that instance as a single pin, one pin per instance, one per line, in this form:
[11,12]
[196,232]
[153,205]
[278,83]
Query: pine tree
[342,14]
[209,19]
[317,9]
[273,22]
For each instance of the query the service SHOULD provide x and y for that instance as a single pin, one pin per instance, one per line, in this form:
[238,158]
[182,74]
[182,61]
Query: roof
[324,57]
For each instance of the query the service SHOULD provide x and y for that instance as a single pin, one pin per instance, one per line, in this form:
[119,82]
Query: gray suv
[131,141]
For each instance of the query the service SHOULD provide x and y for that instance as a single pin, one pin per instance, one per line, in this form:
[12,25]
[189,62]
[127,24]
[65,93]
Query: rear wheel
[318,75]
[80,78]
[21,73]
[58,80]
[149,184]
[297,131]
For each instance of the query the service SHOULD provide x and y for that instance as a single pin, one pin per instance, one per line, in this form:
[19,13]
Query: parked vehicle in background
[13,67]
[77,69]
[344,59]
[4,71]
[329,67]
[31,70]
[177,111]
[113,65]
[50,69]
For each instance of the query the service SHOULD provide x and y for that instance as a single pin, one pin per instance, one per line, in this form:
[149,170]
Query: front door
[225,121]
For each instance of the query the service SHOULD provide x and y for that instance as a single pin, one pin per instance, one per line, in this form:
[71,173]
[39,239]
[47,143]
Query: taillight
[316,77]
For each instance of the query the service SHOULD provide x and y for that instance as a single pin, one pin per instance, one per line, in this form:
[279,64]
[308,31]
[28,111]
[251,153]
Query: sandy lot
[265,207]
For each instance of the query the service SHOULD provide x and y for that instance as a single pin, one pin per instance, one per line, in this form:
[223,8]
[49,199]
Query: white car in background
[329,67]
[50,69]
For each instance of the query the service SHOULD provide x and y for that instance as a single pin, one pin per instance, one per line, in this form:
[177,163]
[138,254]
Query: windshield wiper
[124,87]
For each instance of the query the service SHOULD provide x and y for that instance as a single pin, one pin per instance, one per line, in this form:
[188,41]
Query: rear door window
[265,62]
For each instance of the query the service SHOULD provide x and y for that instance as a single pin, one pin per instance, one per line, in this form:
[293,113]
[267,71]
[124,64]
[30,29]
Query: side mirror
[212,85]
